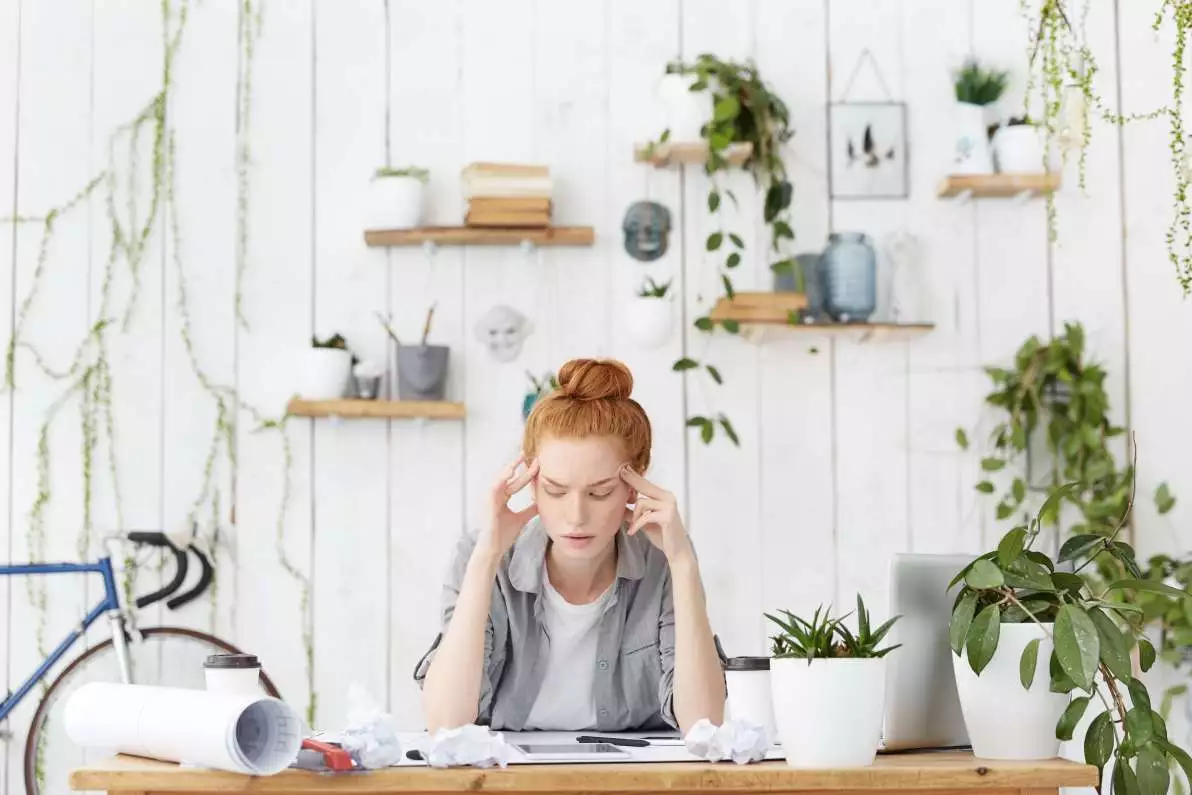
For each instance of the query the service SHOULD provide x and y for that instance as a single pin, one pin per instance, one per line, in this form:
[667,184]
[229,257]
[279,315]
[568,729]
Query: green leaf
[1163,499]
[985,487]
[713,201]
[685,364]
[703,323]
[726,109]
[1071,717]
[1011,547]
[1004,510]
[1153,773]
[1181,757]
[783,230]
[1149,586]
[728,286]
[714,240]
[1146,657]
[1027,663]
[1079,546]
[731,326]
[665,136]
[729,431]
[1124,780]
[697,422]
[1026,573]
[982,638]
[1060,683]
[1018,490]
[737,241]
[1139,697]
[1066,581]
[712,371]
[733,260]
[1139,726]
[1115,651]
[1077,645]
[962,619]
[1098,742]
[1050,508]
[962,439]
[992,464]
[984,574]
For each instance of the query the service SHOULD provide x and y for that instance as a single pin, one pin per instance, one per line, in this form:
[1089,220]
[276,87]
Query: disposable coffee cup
[233,673]
[748,681]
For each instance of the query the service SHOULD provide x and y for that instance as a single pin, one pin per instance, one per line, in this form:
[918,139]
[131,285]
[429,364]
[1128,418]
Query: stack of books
[507,195]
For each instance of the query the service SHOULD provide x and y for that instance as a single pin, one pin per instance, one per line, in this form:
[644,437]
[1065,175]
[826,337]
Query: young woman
[579,612]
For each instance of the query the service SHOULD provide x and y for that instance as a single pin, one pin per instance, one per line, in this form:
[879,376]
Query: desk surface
[931,771]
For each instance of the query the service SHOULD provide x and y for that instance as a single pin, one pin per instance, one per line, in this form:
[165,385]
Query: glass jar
[849,272]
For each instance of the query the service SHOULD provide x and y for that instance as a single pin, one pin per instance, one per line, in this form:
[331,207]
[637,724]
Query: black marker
[627,741]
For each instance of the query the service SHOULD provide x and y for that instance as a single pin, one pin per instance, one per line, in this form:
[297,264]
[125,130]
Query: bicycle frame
[109,604]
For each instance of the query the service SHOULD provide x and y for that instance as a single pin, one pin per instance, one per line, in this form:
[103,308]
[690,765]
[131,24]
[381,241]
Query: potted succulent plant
[650,317]
[1018,147]
[539,388]
[327,369]
[977,89]
[821,668]
[1035,647]
[396,197]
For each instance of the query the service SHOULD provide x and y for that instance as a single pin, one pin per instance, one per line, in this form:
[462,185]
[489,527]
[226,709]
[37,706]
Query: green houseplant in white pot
[1018,147]
[395,198]
[326,369]
[977,89]
[1070,645]
[828,687]
[650,319]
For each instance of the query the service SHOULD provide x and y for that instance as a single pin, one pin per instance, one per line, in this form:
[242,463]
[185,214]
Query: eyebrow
[604,482]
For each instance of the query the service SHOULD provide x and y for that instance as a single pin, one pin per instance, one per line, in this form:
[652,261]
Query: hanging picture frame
[867,143]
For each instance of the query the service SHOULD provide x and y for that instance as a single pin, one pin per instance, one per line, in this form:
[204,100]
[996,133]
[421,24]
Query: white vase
[650,321]
[395,203]
[324,373]
[684,111]
[970,150]
[1005,720]
[1018,149]
[829,713]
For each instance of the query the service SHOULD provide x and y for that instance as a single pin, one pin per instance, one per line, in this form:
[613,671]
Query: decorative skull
[647,225]
[503,330]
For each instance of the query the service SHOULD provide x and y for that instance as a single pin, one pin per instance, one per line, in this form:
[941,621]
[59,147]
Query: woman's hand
[656,513]
[505,524]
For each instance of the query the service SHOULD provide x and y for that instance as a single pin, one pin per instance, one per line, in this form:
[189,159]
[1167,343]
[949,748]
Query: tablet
[571,752]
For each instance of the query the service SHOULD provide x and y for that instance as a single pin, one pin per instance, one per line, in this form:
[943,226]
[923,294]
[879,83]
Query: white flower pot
[970,151]
[395,203]
[829,712]
[1004,720]
[684,112]
[1018,149]
[650,321]
[324,373]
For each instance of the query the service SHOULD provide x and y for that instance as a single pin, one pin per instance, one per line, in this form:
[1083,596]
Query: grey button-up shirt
[635,652]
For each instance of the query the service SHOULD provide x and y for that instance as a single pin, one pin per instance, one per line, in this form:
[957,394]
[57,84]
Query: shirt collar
[528,560]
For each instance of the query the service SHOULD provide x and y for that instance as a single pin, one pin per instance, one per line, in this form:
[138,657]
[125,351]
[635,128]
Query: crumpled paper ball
[371,735]
[740,740]
[477,746]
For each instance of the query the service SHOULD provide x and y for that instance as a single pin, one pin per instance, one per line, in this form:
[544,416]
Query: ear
[632,498]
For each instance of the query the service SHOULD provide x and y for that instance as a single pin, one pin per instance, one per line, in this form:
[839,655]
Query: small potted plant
[327,369]
[396,197]
[828,686]
[538,388]
[1018,147]
[422,369]
[977,89]
[684,108]
[1035,647]
[650,317]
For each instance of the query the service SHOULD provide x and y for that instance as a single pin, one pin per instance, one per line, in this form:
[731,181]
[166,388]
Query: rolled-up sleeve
[450,594]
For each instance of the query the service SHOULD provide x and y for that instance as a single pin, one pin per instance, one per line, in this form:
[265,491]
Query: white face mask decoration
[503,330]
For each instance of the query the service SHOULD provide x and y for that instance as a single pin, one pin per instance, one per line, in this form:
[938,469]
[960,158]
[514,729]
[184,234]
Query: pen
[627,741]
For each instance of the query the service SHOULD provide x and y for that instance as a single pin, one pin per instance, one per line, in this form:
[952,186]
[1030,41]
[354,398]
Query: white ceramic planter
[1004,720]
[395,203]
[1018,149]
[970,152]
[684,112]
[324,373]
[829,712]
[650,321]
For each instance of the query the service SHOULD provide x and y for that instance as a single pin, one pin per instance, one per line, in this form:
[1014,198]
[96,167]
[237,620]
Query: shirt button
[603,712]
[602,665]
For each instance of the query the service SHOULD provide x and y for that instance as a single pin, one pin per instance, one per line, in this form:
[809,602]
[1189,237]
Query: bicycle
[130,655]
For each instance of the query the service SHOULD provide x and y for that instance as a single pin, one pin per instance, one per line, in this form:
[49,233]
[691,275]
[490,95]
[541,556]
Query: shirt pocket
[641,671]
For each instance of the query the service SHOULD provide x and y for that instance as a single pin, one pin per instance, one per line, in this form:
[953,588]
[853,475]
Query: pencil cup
[422,371]
[232,673]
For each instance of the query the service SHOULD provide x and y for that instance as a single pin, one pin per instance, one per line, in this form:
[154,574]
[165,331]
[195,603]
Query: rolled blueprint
[239,732]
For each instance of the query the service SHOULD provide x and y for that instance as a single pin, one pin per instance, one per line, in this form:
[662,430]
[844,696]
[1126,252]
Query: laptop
[922,707]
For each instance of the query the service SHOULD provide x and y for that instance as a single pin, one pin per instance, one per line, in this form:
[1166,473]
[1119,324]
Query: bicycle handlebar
[158,539]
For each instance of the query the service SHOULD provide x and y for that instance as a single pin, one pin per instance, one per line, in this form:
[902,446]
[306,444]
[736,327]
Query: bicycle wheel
[168,656]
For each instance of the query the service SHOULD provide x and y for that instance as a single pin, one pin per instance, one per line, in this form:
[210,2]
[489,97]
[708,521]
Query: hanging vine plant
[744,111]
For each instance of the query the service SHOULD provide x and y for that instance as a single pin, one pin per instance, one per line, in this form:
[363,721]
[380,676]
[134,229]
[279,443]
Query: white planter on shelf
[1018,149]
[395,202]
[650,321]
[970,150]
[324,374]
[828,713]
[684,111]
[1005,720]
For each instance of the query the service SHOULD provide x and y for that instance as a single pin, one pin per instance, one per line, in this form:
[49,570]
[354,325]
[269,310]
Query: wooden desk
[945,773]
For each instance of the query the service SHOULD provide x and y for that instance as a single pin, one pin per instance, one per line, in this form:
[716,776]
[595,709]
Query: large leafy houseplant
[1092,640]
[744,110]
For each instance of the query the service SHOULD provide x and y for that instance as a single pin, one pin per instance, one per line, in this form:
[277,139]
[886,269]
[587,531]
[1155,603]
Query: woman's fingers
[519,482]
[648,516]
[526,514]
[640,484]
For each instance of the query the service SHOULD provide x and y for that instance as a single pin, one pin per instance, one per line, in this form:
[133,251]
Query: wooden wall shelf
[963,187]
[760,323]
[694,153]
[482,236]
[383,409]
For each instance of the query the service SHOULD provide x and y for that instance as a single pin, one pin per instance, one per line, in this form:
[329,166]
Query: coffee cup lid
[748,664]
[232,661]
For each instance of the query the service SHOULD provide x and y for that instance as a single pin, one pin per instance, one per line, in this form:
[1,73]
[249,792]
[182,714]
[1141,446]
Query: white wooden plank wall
[848,452]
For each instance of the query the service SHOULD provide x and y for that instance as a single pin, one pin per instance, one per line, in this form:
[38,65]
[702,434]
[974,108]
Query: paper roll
[238,732]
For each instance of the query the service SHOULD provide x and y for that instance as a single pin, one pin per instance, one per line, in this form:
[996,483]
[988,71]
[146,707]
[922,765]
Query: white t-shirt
[566,701]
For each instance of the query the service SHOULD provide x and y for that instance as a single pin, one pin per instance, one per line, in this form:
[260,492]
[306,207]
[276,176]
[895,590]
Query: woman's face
[580,496]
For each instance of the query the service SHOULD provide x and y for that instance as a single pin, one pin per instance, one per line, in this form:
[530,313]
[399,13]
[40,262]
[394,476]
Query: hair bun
[595,379]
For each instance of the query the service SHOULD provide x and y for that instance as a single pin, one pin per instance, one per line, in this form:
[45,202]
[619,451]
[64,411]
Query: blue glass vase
[849,272]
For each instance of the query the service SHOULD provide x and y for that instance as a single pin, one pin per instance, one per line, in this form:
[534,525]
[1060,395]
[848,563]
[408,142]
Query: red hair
[593,399]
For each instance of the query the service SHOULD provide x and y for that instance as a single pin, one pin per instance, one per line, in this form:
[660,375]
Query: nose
[577,511]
